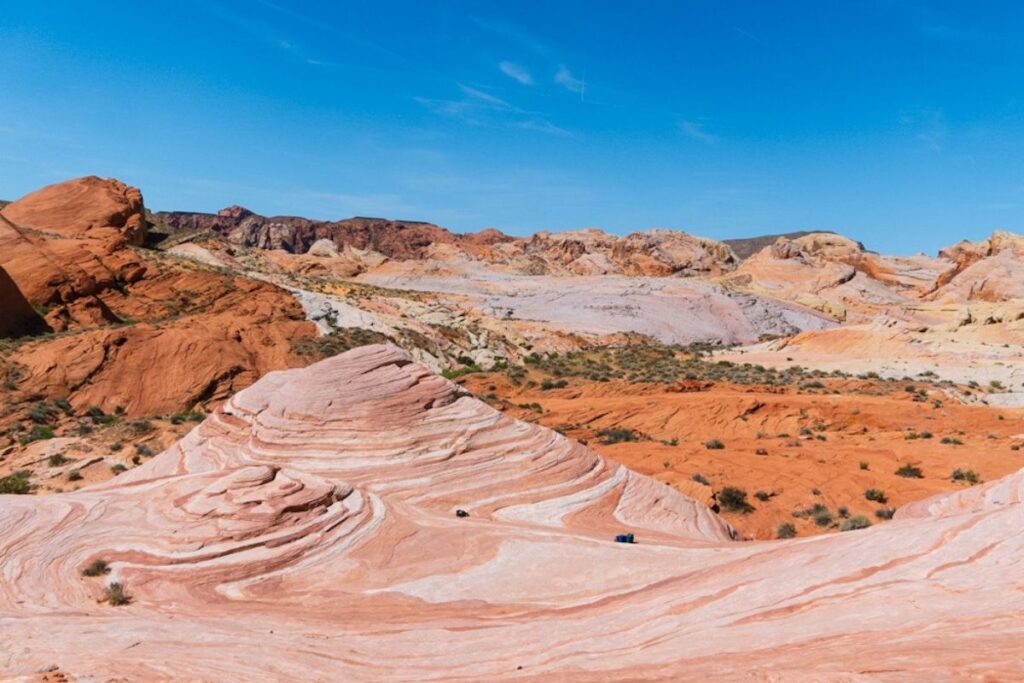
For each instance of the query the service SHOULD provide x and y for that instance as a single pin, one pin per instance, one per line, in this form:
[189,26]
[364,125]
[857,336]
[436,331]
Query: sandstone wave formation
[308,530]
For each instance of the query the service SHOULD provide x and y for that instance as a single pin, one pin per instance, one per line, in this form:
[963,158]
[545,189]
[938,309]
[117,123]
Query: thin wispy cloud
[750,36]
[696,131]
[542,126]
[929,126]
[564,78]
[487,99]
[514,35]
[470,107]
[516,73]
[480,108]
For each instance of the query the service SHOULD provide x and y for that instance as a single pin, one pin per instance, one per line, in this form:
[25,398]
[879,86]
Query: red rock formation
[581,252]
[183,336]
[395,239]
[308,531]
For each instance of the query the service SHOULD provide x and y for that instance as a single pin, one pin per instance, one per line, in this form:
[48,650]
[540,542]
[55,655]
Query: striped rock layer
[307,531]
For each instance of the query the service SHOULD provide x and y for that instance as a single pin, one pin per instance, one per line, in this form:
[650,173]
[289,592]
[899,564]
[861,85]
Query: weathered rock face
[395,239]
[68,243]
[580,252]
[17,317]
[147,337]
[835,275]
[595,252]
[991,270]
[337,486]
[85,207]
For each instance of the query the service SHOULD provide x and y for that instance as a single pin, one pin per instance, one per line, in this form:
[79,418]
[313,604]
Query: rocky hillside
[394,239]
[576,252]
[745,247]
[128,328]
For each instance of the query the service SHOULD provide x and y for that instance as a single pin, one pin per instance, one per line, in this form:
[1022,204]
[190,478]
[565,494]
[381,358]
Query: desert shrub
[700,479]
[141,426]
[877,495]
[64,405]
[864,464]
[714,445]
[16,483]
[885,513]
[762,496]
[38,432]
[610,435]
[144,450]
[785,530]
[455,373]
[74,475]
[854,523]
[734,499]
[548,384]
[41,413]
[115,595]
[910,472]
[822,517]
[181,418]
[843,511]
[951,441]
[118,468]
[96,568]
[97,415]
[56,460]
[969,476]
[339,340]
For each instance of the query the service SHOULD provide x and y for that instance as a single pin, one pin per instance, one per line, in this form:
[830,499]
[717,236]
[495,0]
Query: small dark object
[97,568]
[624,538]
[461,513]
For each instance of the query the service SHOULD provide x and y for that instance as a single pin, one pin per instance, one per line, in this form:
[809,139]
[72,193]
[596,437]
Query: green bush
[16,483]
[854,523]
[115,595]
[885,513]
[877,495]
[610,435]
[786,530]
[96,568]
[910,472]
[734,499]
[38,433]
[700,479]
[969,476]
[714,445]
[823,518]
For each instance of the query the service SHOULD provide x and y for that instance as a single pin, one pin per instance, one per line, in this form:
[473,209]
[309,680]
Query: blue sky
[898,123]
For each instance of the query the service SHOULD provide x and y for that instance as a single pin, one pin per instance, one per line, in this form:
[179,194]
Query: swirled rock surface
[307,531]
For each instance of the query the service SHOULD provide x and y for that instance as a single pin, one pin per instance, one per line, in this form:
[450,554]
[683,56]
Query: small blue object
[624,538]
